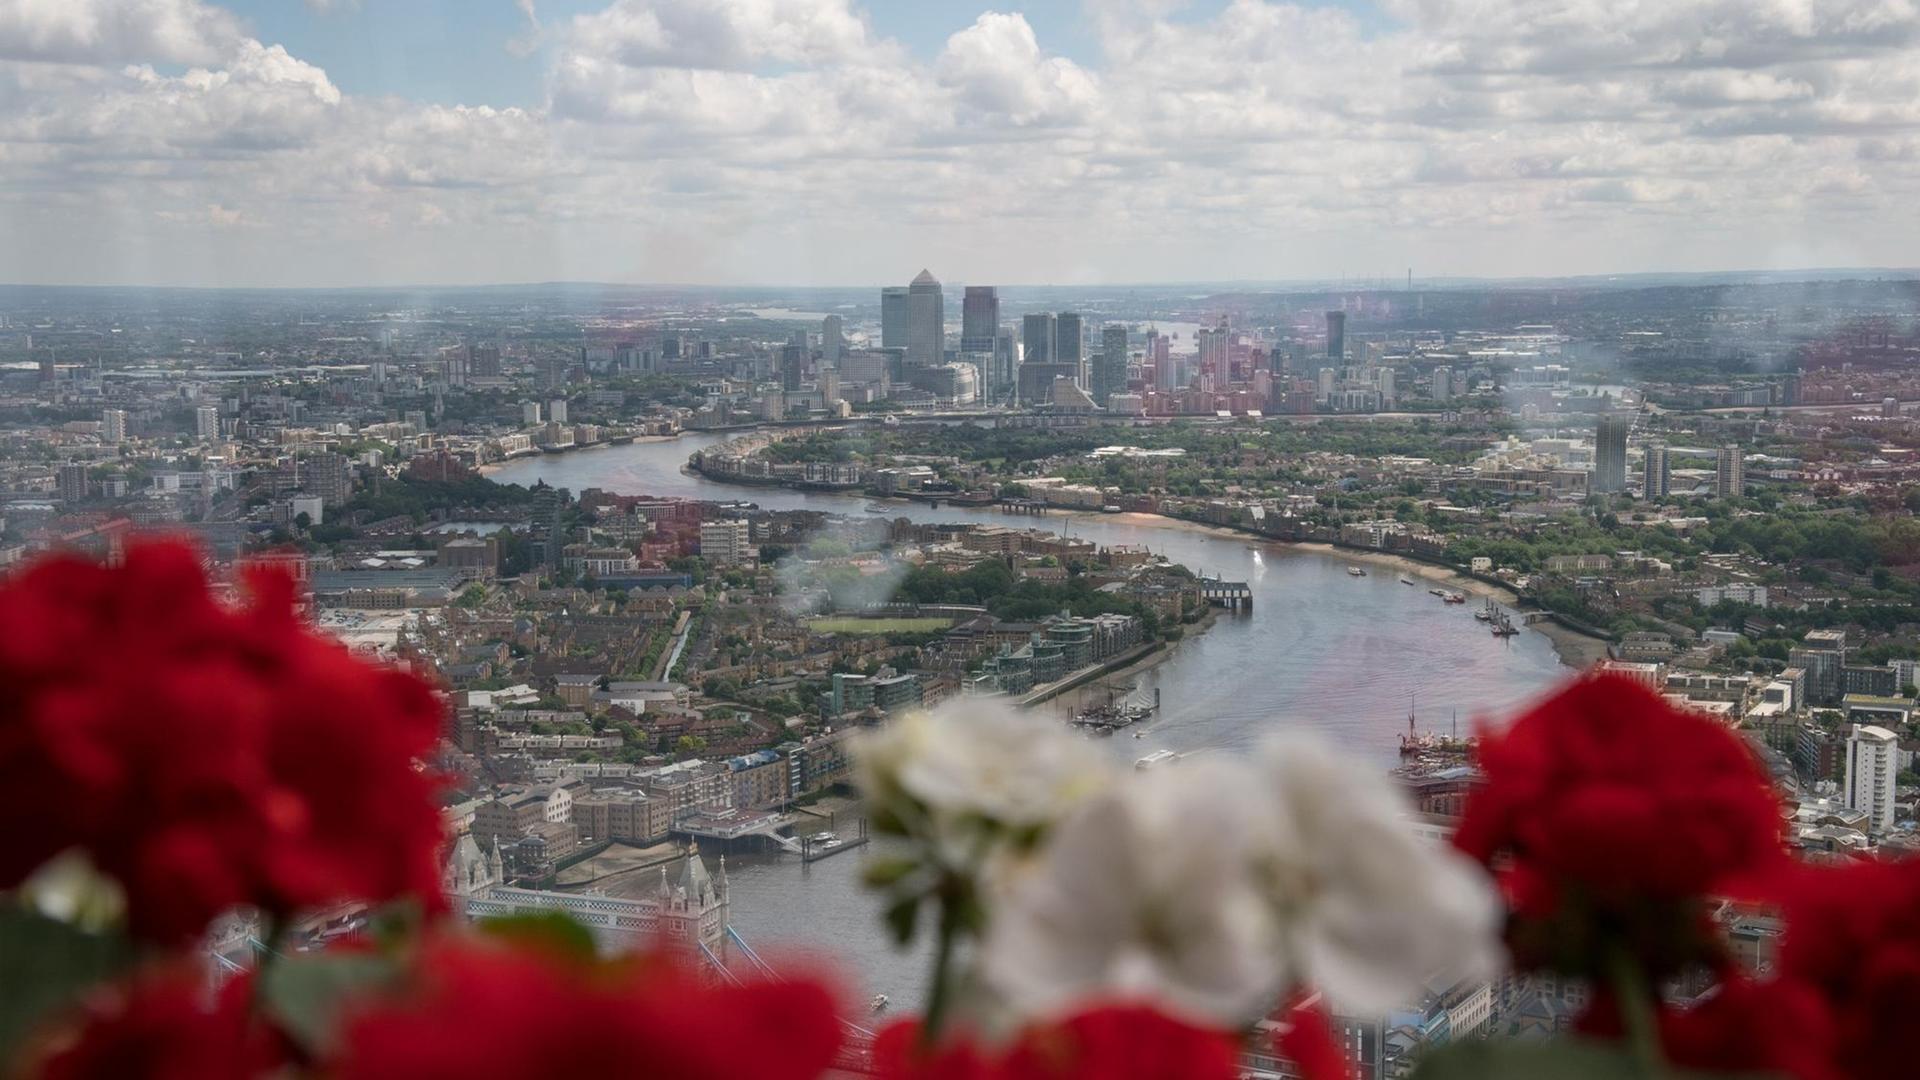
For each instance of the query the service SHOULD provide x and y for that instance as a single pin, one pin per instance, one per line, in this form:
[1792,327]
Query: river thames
[1321,650]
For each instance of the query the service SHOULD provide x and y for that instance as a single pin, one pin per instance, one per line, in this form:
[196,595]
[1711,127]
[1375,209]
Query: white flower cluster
[1212,887]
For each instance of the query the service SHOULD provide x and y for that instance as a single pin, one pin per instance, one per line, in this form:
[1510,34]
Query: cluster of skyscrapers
[1005,366]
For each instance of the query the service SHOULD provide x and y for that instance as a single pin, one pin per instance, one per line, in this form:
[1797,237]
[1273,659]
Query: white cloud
[687,139]
[729,34]
[115,31]
[1000,75]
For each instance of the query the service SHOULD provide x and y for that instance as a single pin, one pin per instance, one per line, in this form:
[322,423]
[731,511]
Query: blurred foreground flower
[1611,816]
[169,1025]
[967,788]
[1119,1042]
[490,1008]
[1215,887]
[202,756]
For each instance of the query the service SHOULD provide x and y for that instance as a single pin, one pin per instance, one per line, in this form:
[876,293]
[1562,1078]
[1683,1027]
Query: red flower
[1309,1043]
[1853,941]
[1613,814]
[1771,1028]
[1115,1042]
[491,1009]
[169,1027]
[201,755]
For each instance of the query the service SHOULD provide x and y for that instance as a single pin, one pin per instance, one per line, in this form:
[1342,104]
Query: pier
[1232,595]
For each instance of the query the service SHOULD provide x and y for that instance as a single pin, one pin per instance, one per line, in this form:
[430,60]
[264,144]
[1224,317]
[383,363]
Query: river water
[1321,650]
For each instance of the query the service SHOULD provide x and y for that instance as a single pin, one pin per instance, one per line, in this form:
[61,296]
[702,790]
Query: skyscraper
[1069,345]
[1006,364]
[979,318]
[1036,335]
[1730,473]
[793,358]
[206,423]
[1443,384]
[1110,371]
[1336,335]
[893,317]
[1657,482]
[833,338]
[926,321]
[1610,452]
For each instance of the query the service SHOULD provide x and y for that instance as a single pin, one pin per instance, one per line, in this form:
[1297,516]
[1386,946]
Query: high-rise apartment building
[926,321]
[71,482]
[1110,371]
[1610,452]
[557,410]
[833,338]
[1730,473]
[1213,354]
[1337,336]
[1443,384]
[979,318]
[1873,763]
[113,425]
[206,423]
[483,361]
[893,317]
[1657,478]
[530,413]
[727,543]
[330,476]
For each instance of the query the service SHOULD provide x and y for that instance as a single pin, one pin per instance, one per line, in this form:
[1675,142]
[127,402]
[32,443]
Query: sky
[852,142]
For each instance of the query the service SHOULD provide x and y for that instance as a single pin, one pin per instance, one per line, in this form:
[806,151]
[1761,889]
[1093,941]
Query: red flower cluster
[480,1008]
[169,1026]
[1611,814]
[1853,944]
[1113,1042]
[202,755]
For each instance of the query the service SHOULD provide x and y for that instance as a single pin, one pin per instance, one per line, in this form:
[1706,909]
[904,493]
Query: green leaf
[46,964]
[305,992]
[884,870]
[901,916]
[1560,1059]
[553,932]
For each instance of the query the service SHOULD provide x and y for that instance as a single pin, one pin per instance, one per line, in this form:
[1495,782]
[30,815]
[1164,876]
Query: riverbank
[492,467]
[1575,648]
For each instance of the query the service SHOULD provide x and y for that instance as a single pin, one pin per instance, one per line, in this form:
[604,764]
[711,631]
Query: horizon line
[1357,284]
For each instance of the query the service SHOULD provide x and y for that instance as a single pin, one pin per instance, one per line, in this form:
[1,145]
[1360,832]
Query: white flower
[1145,891]
[1215,887]
[978,760]
[1370,912]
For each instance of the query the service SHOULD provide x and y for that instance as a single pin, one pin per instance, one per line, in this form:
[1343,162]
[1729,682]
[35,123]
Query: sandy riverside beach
[1575,649]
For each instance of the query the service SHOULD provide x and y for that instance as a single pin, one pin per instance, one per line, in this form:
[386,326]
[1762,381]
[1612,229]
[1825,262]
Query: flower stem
[940,992]
[1633,997]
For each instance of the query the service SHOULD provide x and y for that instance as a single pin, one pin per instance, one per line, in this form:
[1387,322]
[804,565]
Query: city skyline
[182,142]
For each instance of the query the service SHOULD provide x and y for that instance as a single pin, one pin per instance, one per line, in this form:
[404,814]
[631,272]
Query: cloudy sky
[348,142]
